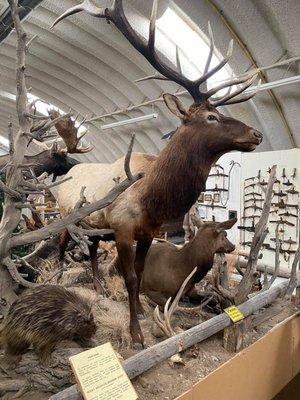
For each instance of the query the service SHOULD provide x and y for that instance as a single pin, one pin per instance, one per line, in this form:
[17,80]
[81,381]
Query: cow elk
[167,266]
[174,179]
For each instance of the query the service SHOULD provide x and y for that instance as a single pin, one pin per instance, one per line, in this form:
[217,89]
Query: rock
[176,359]
[143,382]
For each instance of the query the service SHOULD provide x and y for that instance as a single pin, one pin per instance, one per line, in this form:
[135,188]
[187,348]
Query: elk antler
[116,15]
[68,132]
[165,324]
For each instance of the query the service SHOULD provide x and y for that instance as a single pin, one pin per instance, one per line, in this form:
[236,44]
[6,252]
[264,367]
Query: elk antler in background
[69,133]
[165,323]
[116,15]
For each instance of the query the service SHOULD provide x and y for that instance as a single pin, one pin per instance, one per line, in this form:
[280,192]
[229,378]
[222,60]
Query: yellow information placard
[234,313]
[101,376]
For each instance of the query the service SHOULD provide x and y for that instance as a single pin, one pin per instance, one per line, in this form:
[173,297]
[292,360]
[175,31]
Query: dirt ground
[167,380]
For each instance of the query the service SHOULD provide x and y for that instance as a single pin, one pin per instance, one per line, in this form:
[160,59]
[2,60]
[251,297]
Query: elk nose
[257,134]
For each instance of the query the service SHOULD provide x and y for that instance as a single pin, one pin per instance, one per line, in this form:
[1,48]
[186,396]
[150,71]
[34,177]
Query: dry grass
[112,318]
[78,273]
[47,272]
[116,288]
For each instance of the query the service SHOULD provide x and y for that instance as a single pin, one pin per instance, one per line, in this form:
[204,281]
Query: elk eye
[212,117]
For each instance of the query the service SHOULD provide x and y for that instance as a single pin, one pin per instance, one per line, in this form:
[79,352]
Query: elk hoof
[137,338]
[138,346]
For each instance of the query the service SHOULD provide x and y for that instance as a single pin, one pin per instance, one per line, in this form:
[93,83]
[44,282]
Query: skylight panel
[194,47]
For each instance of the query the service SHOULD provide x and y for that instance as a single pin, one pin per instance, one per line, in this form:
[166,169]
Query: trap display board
[101,376]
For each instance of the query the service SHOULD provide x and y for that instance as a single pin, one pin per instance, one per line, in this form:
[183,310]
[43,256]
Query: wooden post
[233,337]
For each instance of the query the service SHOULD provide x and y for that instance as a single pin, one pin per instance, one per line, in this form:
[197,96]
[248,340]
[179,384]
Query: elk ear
[223,226]
[197,221]
[175,106]
[54,149]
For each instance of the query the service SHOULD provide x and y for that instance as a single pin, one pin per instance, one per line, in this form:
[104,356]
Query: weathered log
[261,266]
[146,359]
[54,376]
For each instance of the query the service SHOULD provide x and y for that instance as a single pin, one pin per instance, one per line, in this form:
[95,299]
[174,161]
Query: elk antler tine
[83,135]
[127,159]
[225,99]
[221,64]
[86,5]
[84,150]
[211,50]
[152,26]
[155,76]
[231,82]
[180,291]
[178,62]
[160,323]
[167,316]
[244,97]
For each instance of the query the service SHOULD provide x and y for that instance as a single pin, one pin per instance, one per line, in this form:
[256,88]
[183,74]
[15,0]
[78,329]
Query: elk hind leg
[63,243]
[139,264]
[97,279]
[126,263]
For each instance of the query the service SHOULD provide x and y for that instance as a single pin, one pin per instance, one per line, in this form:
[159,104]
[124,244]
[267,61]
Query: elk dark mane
[182,167]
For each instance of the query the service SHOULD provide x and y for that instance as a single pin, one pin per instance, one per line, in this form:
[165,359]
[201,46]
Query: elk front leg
[126,263]
[93,249]
[139,264]
[63,243]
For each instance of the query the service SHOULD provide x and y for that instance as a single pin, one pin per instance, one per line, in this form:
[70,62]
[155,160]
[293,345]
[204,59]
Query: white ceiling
[87,65]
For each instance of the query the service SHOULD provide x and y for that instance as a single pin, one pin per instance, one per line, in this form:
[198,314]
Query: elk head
[53,161]
[215,234]
[219,132]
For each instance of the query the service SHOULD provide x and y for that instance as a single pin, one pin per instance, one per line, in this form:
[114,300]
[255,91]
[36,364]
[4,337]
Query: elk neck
[199,252]
[178,176]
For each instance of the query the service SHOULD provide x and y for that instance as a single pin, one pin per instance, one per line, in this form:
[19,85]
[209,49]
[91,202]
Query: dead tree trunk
[11,212]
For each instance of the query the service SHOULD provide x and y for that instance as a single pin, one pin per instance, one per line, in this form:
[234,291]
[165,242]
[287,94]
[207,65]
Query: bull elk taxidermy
[174,179]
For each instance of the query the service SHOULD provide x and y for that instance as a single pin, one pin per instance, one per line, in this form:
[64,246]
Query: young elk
[174,180]
[167,266]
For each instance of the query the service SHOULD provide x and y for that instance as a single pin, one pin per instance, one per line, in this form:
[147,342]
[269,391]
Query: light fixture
[275,84]
[129,121]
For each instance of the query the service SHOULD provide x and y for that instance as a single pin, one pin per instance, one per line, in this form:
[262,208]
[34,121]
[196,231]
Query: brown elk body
[174,180]
[44,316]
[167,266]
